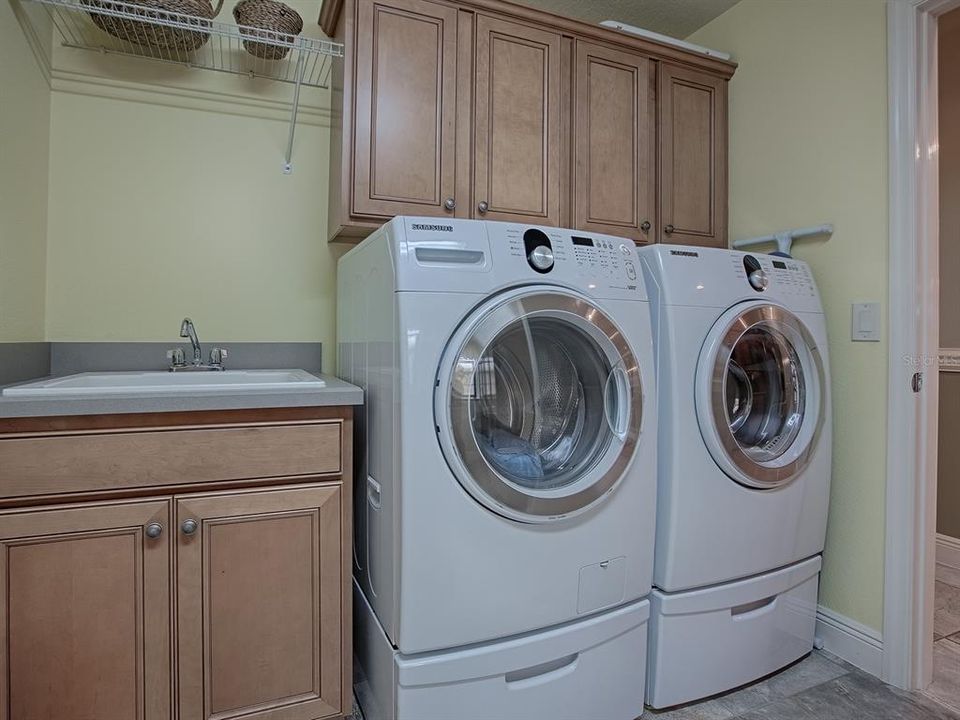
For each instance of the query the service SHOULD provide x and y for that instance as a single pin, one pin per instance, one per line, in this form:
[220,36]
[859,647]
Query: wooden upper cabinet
[693,157]
[261,605]
[615,143]
[85,613]
[405,132]
[492,110]
[517,139]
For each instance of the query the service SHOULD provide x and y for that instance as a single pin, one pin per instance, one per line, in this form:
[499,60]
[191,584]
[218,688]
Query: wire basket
[152,32]
[275,19]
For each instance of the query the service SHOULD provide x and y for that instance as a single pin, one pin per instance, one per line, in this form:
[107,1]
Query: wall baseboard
[948,551]
[849,640]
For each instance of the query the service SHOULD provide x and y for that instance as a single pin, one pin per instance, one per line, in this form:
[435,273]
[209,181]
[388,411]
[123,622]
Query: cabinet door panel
[259,605]
[517,140]
[86,613]
[615,146]
[406,108]
[693,157]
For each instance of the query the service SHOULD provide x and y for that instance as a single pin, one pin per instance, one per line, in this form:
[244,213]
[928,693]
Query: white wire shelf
[135,30]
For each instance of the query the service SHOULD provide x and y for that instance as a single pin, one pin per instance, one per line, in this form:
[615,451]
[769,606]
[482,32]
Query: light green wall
[24,132]
[808,144]
[160,212]
[167,199]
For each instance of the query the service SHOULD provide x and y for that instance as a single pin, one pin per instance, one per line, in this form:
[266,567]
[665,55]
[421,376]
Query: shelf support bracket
[301,69]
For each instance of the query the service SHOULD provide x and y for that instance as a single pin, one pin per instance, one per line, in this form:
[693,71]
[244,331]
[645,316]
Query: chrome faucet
[177,360]
[188,331]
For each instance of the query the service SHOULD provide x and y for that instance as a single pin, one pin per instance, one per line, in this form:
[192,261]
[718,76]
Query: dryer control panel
[793,277]
[713,277]
[764,273]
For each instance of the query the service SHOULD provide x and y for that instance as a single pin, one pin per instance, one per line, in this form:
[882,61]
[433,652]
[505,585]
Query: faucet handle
[218,355]
[175,356]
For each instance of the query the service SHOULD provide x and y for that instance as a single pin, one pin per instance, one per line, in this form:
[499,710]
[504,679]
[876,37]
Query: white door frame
[911,487]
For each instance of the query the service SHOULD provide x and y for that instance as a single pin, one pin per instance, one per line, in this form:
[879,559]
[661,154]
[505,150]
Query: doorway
[945,685]
[909,603]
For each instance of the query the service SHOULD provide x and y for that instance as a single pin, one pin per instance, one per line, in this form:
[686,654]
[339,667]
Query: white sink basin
[161,382]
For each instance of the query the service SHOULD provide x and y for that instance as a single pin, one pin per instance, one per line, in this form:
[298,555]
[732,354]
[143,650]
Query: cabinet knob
[645,226]
[669,229]
[450,204]
[154,530]
[483,207]
[189,526]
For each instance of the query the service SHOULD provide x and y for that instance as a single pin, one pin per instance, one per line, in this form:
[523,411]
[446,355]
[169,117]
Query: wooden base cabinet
[258,588]
[221,600]
[86,613]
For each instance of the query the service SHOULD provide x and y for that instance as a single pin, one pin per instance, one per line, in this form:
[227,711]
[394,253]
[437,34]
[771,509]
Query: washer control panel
[569,255]
[603,257]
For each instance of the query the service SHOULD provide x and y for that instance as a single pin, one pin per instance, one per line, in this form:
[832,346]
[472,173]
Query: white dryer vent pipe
[665,39]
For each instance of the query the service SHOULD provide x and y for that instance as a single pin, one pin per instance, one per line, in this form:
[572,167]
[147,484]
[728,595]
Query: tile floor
[946,635]
[819,687]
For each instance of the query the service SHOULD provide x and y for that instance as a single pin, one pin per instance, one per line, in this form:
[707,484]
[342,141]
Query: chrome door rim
[752,473]
[452,406]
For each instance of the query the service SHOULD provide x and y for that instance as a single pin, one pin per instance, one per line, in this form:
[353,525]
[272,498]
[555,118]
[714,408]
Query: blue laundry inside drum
[513,454]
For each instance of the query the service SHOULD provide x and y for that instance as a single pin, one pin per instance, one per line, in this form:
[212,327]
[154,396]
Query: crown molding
[330,16]
[34,42]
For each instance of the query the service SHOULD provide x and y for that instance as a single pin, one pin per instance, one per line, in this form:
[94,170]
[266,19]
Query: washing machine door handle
[616,401]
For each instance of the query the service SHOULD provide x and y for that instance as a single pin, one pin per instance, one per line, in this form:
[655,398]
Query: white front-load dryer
[509,433]
[744,466]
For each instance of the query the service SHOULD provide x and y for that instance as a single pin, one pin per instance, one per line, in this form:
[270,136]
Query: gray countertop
[337,392]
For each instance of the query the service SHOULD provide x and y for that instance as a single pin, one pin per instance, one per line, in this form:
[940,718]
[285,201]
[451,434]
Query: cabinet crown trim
[332,9]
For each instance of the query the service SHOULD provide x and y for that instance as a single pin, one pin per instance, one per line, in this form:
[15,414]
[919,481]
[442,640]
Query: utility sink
[162,382]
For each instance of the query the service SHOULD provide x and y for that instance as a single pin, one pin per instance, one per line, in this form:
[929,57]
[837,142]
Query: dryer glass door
[765,380]
[543,404]
[764,393]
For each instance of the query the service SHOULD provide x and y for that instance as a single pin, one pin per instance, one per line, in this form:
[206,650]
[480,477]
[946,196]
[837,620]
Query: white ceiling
[678,18]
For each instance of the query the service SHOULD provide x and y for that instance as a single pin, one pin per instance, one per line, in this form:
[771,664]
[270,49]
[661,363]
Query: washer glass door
[764,377]
[543,403]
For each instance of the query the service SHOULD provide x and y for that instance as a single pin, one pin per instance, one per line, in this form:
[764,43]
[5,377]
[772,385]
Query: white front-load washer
[507,484]
[744,466]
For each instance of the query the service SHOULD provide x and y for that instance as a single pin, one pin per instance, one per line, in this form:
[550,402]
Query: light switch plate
[865,322]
